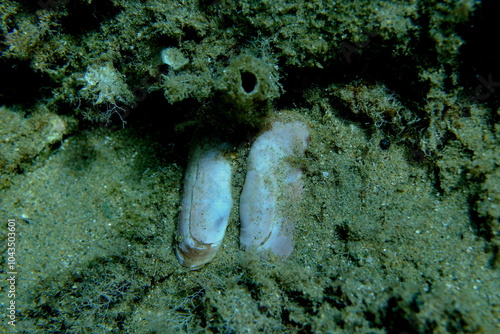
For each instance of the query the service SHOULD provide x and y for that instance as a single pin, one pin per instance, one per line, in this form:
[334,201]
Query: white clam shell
[272,188]
[206,204]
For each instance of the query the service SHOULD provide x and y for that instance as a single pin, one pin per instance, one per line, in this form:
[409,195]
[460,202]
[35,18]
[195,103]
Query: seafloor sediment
[398,227]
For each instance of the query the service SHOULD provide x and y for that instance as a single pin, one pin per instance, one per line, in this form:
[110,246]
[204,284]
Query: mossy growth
[377,103]
[94,299]
[104,84]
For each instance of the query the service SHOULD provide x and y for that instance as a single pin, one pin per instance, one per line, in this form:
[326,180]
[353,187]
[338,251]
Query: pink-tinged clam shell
[273,186]
[206,204]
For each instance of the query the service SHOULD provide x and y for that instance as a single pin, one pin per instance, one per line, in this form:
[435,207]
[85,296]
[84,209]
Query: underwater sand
[398,239]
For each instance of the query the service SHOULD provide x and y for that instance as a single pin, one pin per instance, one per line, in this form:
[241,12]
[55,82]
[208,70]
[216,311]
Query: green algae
[388,241]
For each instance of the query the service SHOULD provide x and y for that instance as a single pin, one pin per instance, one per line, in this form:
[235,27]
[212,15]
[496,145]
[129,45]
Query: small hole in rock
[248,81]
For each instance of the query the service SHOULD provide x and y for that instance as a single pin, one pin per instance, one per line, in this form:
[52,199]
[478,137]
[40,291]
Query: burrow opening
[248,81]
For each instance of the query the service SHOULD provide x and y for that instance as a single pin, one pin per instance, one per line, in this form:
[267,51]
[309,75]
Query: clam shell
[206,204]
[272,188]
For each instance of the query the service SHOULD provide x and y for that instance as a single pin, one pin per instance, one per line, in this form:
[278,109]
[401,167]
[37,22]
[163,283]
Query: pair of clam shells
[273,185]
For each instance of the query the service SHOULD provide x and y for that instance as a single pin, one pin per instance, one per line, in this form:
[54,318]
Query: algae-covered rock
[25,138]
[174,58]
